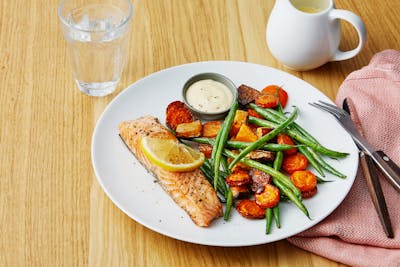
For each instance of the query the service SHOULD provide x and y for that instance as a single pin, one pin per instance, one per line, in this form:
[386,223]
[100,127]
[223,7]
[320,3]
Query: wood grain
[53,212]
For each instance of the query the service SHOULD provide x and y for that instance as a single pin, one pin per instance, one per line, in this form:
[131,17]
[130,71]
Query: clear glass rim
[122,24]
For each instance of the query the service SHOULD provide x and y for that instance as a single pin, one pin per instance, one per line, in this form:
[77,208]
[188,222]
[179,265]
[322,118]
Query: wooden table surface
[53,211]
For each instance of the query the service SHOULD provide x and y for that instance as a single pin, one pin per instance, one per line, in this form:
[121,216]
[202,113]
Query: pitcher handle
[358,24]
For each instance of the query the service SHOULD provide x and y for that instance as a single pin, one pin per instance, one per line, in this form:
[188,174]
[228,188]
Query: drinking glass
[97,34]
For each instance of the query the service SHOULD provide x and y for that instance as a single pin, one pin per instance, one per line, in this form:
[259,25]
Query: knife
[374,186]
[390,170]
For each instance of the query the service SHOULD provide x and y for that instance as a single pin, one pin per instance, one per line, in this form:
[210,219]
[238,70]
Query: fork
[385,164]
[332,109]
[345,120]
[374,186]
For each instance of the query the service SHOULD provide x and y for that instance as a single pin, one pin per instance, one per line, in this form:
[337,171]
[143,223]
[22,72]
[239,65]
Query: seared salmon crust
[190,190]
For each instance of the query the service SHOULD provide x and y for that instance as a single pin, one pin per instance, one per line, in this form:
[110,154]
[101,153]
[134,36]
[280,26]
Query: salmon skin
[190,190]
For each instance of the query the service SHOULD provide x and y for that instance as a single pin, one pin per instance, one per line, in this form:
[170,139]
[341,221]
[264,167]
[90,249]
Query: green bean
[268,218]
[325,165]
[229,204]
[222,175]
[321,181]
[292,197]
[277,166]
[267,169]
[278,160]
[269,146]
[297,126]
[304,150]
[265,113]
[300,138]
[312,160]
[262,122]
[217,141]
[221,140]
[278,117]
[277,216]
[304,132]
[208,173]
[280,109]
[265,138]
[241,145]
[225,165]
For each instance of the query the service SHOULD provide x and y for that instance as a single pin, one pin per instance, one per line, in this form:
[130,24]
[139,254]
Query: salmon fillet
[190,190]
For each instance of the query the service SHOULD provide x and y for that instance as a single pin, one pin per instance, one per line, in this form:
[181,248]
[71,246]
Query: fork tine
[339,110]
[325,108]
[327,104]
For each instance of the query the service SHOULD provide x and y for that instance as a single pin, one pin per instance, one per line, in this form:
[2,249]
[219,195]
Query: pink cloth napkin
[353,234]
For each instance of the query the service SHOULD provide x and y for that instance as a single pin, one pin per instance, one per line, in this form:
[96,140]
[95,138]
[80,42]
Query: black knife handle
[388,168]
[376,193]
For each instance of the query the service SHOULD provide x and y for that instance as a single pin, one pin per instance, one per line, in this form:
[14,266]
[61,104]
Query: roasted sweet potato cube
[211,128]
[246,134]
[238,121]
[238,179]
[206,149]
[189,129]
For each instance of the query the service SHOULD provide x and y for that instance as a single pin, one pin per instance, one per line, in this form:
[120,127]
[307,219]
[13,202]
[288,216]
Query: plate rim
[137,83]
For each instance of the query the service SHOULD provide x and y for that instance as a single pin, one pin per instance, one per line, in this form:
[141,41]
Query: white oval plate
[137,194]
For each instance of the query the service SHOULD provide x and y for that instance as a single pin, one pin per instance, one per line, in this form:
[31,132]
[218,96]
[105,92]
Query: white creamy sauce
[209,96]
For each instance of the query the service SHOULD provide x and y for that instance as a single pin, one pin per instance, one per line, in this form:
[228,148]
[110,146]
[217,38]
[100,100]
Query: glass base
[97,89]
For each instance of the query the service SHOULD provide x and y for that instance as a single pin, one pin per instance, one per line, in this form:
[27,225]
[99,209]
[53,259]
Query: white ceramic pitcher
[305,34]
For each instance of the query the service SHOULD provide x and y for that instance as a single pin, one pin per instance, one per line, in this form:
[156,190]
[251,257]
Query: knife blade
[374,186]
[390,170]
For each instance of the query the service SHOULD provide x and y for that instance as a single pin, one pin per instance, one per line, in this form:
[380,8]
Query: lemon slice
[171,155]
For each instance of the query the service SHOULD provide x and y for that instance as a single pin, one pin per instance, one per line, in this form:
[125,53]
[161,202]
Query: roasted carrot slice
[249,209]
[238,179]
[269,197]
[304,180]
[286,140]
[296,162]
[267,101]
[310,193]
[254,113]
[277,91]
[177,113]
